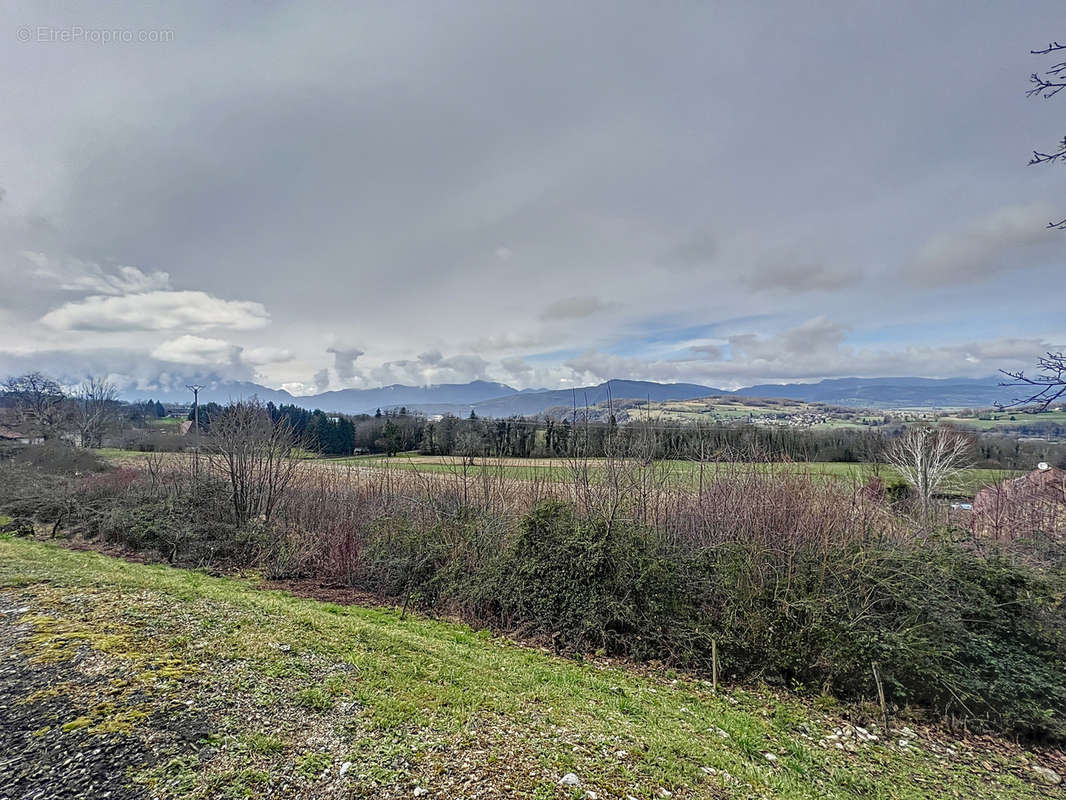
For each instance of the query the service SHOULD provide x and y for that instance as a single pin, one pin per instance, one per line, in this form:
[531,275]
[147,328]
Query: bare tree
[96,404]
[928,459]
[39,403]
[256,456]
[1046,388]
[1046,85]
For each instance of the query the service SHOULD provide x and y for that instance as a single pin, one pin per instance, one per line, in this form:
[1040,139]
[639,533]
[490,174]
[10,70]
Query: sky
[322,196]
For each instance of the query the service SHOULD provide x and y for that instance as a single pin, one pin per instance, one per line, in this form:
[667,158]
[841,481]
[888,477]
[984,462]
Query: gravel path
[44,755]
[38,759]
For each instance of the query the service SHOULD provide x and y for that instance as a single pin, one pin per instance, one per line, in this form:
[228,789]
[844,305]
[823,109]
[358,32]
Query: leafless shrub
[255,455]
[154,464]
[781,511]
[1009,510]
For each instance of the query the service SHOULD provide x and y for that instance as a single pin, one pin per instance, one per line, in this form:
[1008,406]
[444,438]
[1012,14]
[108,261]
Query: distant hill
[850,392]
[213,391]
[536,402]
[355,401]
[490,399]
[890,392]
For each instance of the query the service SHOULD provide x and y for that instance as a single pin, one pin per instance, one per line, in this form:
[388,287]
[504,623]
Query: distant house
[1033,503]
[9,435]
[12,436]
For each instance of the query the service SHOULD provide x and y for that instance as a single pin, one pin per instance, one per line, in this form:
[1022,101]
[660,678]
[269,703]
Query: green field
[171,424]
[1008,420]
[295,698]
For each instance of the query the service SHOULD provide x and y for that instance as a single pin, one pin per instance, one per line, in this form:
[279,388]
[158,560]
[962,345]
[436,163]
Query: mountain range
[490,399]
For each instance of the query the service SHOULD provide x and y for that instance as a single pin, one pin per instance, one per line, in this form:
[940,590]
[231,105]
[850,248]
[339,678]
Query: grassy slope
[293,688]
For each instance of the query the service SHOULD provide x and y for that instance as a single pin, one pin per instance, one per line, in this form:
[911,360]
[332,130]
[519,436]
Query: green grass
[418,702]
[165,423]
[1007,420]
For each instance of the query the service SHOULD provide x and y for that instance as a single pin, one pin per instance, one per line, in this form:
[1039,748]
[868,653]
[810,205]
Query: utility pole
[195,389]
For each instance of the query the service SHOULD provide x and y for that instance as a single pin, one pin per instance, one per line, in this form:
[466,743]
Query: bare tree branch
[1051,48]
[39,403]
[1050,385]
[96,410]
[1048,158]
[1046,85]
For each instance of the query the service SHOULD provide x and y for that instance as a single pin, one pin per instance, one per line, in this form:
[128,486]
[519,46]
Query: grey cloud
[128,370]
[508,340]
[697,251]
[321,380]
[798,276]
[812,345]
[453,369]
[710,351]
[573,308]
[813,336]
[156,311]
[259,356]
[72,274]
[473,366]
[1004,240]
[344,359]
[773,358]
[197,351]
[516,367]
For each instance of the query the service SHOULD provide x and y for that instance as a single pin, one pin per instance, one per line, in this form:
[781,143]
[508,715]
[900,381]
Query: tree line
[88,413]
[399,431]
